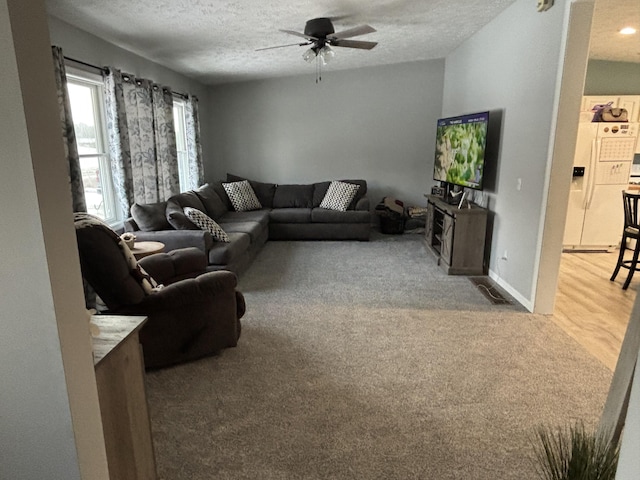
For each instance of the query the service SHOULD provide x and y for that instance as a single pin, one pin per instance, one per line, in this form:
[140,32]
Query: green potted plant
[574,453]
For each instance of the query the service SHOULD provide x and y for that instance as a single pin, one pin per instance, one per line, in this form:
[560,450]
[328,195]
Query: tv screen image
[460,150]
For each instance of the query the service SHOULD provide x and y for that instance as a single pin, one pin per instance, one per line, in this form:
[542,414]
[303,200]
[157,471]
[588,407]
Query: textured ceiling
[606,41]
[214,41]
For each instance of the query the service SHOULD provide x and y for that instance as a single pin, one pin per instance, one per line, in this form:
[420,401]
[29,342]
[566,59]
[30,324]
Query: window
[181,143]
[87,109]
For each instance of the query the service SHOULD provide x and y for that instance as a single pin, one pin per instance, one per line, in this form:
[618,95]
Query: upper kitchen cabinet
[629,102]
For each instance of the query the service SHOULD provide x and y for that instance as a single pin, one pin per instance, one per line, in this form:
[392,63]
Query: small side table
[144,249]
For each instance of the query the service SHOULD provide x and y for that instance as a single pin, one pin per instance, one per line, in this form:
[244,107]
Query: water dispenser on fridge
[602,168]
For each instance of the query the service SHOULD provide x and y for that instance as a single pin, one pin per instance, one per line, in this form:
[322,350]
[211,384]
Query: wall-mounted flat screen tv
[460,150]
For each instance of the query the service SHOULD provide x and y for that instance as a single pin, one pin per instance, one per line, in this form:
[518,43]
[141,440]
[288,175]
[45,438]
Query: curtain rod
[106,70]
[102,69]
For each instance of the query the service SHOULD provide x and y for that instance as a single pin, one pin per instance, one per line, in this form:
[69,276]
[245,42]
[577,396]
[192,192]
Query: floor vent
[490,290]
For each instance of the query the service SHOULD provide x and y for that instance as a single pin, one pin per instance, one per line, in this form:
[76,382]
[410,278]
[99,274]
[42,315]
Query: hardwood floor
[592,309]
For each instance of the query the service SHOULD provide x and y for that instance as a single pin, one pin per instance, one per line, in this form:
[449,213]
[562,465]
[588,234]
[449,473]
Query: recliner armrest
[187,293]
[167,268]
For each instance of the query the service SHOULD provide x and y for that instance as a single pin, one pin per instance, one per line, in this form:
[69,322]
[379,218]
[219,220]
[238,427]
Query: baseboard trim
[526,303]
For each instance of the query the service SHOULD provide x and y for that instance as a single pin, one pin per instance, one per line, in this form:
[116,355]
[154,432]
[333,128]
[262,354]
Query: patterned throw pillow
[339,196]
[242,196]
[205,222]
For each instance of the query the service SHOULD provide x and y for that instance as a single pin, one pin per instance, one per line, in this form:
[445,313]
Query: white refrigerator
[601,169]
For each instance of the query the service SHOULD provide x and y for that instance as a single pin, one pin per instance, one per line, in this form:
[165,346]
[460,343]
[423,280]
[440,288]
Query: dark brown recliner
[194,315]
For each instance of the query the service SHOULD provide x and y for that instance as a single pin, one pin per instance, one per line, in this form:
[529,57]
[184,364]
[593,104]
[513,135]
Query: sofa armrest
[130,225]
[175,239]
[167,268]
[363,204]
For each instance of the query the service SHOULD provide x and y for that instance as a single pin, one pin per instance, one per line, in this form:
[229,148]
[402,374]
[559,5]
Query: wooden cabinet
[456,236]
[119,366]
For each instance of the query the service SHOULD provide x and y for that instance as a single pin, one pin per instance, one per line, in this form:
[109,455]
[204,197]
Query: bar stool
[631,231]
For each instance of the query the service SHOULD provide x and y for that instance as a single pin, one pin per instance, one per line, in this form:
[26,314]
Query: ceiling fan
[321,36]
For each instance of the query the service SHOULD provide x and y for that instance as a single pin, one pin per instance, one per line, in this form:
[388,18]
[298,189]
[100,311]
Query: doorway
[590,308]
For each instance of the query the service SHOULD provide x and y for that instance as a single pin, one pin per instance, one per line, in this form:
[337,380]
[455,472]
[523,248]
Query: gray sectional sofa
[289,212]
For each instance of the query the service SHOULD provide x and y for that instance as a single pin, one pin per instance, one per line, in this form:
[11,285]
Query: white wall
[512,65]
[50,423]
[375,123]
[81,45]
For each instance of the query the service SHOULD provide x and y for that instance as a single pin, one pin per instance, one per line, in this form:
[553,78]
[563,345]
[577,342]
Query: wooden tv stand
[456,236]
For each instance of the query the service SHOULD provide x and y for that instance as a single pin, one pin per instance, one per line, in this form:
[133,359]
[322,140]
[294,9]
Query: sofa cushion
[175,210]
[204,222]
[339,195]
[322,215]
[264,191]
[242,196]
[319,191]
[213,204]
[259,216]
[253,229]
[290,215]
[224,253]
[219,189]
[362,191]
[293,196]
[150,217]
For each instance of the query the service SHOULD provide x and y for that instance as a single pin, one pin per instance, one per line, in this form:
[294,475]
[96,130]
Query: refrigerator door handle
[595,154]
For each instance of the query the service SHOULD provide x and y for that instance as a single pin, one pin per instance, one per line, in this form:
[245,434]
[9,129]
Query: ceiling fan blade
[298,34]
[353,44]
[352,32]
[282,46]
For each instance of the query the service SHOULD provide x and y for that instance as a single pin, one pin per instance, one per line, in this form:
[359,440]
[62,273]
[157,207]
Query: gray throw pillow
[175,210]
[213,204]
[222,193]
[150,217]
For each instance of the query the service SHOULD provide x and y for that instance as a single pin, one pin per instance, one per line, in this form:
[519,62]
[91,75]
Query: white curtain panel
[194,149]
[142,142]
[68,132]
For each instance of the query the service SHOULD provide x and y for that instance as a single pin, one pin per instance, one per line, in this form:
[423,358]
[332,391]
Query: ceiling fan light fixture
[309,56]
[327,54]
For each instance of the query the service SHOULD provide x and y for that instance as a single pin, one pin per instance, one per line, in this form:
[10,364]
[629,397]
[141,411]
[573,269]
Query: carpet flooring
[363,360]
